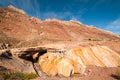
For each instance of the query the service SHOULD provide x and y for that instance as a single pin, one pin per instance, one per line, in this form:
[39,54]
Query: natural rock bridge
[54,61]
[22,59]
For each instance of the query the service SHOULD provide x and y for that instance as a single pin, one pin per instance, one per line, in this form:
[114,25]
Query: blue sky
[104,14]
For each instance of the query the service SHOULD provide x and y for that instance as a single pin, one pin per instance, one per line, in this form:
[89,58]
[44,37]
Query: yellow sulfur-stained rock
[53,64]
[95,55]
[75,60]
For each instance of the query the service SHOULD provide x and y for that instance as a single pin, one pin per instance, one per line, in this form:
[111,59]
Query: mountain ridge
[26,29]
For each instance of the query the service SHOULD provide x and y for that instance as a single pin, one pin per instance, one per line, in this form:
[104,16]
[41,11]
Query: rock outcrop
[19,59]
[95,55]
[76,60]
[16,9]
[4,46]
[55,62]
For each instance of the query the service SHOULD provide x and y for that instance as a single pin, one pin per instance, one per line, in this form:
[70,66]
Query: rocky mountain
[54,47]
[16,27]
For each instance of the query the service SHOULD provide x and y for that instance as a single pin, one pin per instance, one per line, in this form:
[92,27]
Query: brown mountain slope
[18,28]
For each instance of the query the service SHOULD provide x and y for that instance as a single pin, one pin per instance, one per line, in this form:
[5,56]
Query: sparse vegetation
[118,74]
[69,40]
[92,39]
[18,76]
[76,75]
[89,39]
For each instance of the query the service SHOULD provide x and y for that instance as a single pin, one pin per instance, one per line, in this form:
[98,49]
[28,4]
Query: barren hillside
[16,27]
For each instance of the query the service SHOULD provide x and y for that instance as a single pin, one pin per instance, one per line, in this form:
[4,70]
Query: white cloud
[74,18]
[114,26]
[58,15]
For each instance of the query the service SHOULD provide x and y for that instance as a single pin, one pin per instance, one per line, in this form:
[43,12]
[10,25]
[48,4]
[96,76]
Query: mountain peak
[16,9]
[74,21]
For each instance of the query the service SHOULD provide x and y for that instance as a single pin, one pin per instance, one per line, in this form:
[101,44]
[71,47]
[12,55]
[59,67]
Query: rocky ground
[92,73]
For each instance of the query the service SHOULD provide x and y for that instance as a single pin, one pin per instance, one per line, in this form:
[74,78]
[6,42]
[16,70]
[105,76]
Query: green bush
[18,76]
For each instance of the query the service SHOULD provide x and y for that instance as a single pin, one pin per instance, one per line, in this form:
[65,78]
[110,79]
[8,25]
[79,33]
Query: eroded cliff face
[95,55]
[56,62]
[76,60]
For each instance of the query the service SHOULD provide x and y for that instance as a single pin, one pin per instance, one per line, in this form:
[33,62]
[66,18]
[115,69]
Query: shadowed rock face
[19,59]
[15,64]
